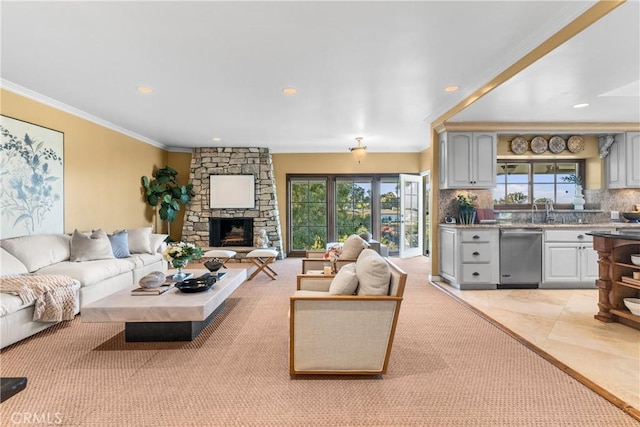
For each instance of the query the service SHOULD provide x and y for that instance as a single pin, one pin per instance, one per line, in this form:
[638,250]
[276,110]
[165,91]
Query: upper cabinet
[622,167]
[467,160]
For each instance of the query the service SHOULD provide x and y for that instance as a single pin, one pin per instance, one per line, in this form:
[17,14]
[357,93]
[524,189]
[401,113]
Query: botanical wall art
[31,179]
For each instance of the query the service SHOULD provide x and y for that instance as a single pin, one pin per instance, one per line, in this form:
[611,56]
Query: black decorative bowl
[213,265]
[197,284]
[632,216]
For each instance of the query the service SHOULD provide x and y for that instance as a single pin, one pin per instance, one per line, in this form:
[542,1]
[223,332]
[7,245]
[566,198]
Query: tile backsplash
[598,207]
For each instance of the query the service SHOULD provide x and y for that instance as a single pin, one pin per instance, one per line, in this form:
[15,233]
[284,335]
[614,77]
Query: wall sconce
[360,151]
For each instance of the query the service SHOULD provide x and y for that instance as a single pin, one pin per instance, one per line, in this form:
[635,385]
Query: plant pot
[467,217]
[578,199]
[179,264]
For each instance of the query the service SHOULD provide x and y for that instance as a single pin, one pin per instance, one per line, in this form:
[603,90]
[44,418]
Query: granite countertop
[541,225]
[626,234]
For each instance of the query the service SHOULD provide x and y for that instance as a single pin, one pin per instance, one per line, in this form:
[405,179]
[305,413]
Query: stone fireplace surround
[207,161]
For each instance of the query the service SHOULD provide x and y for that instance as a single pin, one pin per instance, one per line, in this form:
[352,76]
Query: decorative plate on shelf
[557,144]
[575,144]
[538,145]
[519,145]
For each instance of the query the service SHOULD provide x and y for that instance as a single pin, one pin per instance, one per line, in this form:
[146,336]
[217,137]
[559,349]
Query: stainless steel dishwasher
[520,258]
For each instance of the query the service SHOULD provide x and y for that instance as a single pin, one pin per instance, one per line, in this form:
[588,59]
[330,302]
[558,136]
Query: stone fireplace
[198,227]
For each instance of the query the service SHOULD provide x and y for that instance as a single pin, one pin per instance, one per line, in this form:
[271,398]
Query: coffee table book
[153,291]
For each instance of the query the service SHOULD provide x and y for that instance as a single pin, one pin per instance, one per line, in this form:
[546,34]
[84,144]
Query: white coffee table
[172,316]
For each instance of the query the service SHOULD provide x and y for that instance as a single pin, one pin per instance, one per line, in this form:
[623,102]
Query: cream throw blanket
[53,294]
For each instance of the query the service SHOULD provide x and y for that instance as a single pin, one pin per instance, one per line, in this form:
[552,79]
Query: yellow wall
[181,162]
[425,160]
[335,163]
[102,167]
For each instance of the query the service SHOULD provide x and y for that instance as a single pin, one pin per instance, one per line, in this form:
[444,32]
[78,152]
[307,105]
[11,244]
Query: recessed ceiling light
[217,139]
[451,88]
[144,89]
[586,104]
[289,91]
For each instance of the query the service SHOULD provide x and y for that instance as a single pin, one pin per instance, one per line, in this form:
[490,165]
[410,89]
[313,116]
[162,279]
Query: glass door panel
[308,207]
[411,215]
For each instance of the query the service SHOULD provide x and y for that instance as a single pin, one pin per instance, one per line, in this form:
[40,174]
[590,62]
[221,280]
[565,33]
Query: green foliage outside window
[522,182]
[352,210]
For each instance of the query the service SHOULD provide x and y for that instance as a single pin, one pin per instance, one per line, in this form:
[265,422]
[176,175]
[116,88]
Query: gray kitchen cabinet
[467,160]
[622,164]
[569,259]
[448,252]
[468,257]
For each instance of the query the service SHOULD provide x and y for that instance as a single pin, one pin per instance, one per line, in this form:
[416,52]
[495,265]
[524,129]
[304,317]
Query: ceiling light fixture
[217,139]
[451,88]
[360,151]
[289,91]
[586,104]
[144,89]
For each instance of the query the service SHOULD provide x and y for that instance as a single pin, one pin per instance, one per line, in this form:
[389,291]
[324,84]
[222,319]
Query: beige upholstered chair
[342,334]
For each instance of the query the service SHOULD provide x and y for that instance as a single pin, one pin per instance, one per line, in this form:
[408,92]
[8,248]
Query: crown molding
[539,127]
[43,99]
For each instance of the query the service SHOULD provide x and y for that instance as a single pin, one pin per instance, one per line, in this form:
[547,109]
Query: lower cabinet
[468,257]
[569,259]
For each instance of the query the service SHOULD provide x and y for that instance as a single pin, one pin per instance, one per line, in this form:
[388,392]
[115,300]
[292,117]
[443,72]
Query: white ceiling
[371,69]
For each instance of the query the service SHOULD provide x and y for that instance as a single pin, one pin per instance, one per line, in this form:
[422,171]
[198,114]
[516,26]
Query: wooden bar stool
[221,254]
[262,258]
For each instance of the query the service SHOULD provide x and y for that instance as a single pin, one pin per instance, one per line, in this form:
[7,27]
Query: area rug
[448,367]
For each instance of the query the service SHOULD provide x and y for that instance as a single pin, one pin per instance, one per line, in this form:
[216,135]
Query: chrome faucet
[548,208]
[534,207]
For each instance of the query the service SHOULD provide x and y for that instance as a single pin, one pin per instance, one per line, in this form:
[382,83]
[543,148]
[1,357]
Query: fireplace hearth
[230,232]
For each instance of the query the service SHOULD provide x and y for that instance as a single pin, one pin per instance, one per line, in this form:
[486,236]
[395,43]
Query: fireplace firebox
[230,232]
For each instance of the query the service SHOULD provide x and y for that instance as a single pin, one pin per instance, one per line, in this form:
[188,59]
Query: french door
[411,224]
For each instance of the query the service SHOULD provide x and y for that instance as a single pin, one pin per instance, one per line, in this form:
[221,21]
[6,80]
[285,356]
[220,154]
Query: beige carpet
[449,367]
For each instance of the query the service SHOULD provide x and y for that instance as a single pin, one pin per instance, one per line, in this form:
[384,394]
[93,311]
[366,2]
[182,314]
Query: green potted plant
[466,208]
[573,179]
[164,190]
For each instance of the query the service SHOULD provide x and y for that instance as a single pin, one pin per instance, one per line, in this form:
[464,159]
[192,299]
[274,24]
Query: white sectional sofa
[96,274]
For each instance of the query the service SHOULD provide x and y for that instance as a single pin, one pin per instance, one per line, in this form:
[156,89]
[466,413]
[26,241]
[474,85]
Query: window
[308,213]
[519,183]
[329,208]
[353,205]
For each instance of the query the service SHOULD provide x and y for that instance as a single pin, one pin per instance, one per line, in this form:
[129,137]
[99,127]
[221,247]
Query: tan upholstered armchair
[342,334]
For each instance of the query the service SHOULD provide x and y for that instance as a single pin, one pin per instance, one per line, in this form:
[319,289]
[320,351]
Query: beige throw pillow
[10,265]
[140,240]
[156,242]
[57,249]
[374,274]
[353,246]
[345,282]
[89,248]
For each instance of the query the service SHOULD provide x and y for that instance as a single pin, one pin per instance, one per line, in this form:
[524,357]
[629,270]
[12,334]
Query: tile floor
[561,323]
